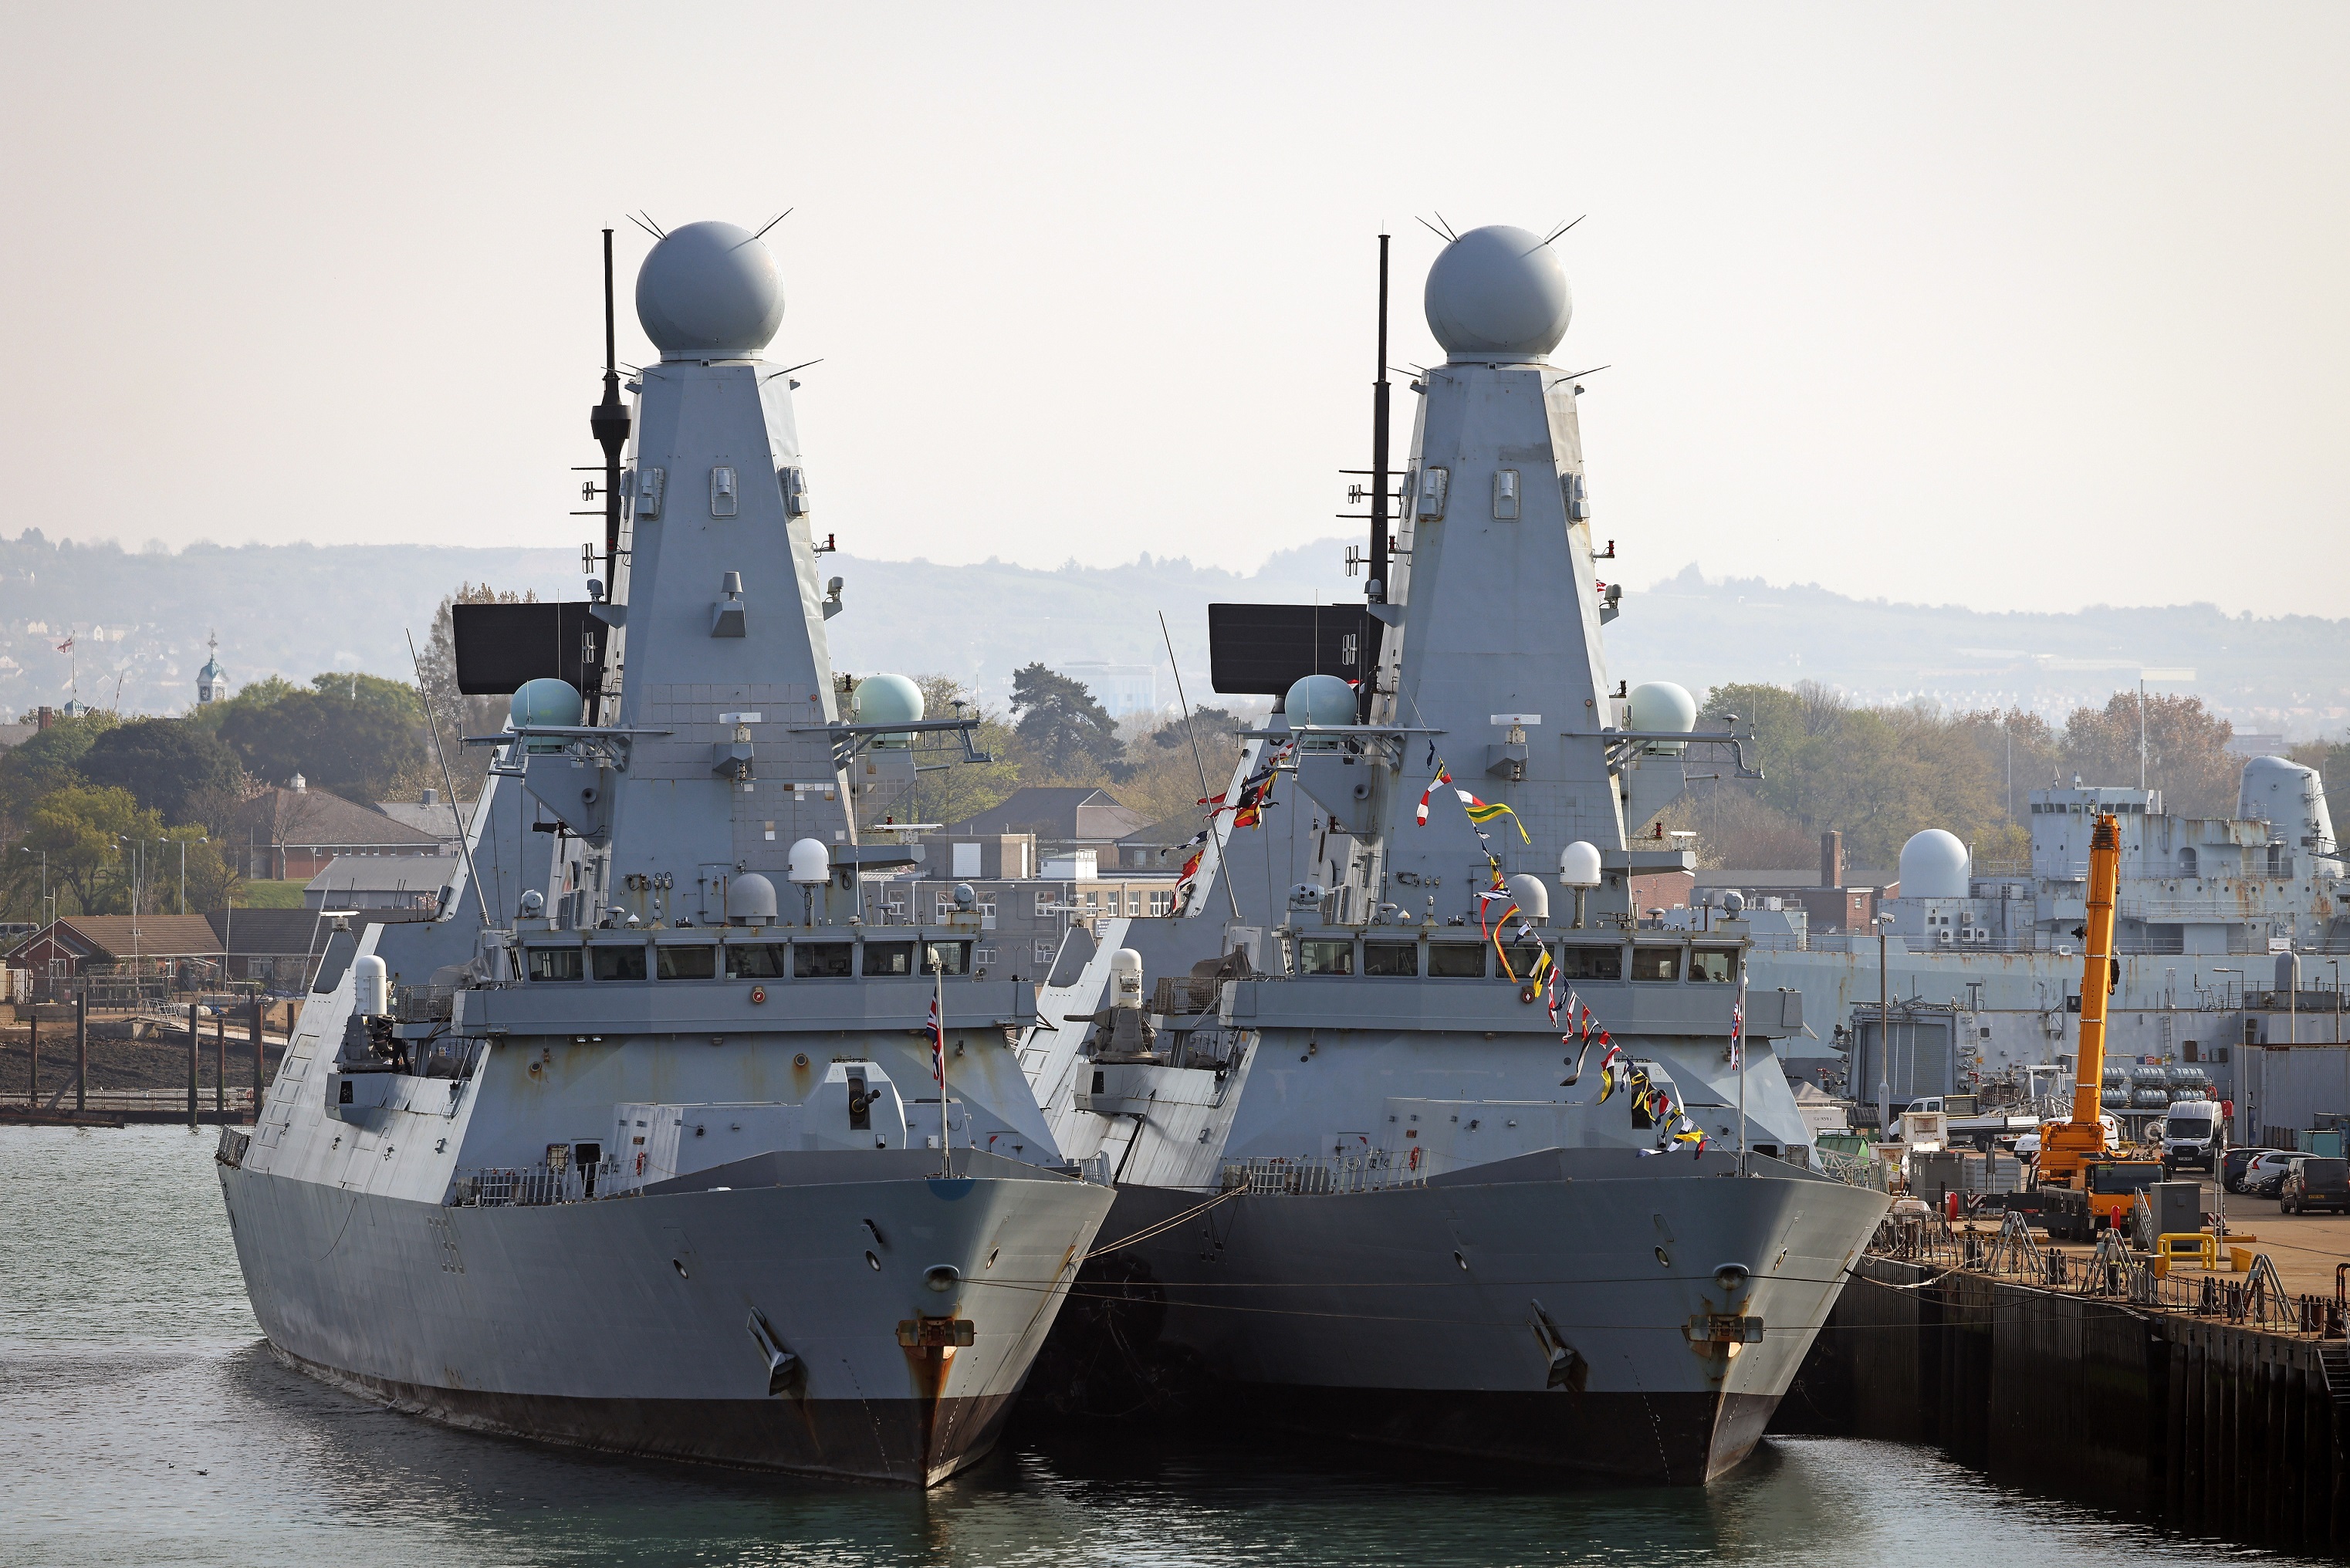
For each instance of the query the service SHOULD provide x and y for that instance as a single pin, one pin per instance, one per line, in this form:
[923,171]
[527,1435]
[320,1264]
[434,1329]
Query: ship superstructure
[2221,923]
[644,1141]
[1382,1177]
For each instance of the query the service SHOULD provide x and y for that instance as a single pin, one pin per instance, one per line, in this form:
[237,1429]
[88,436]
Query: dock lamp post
[184,872]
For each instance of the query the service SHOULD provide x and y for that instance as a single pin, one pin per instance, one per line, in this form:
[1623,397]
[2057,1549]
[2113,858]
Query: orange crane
[2073,1153]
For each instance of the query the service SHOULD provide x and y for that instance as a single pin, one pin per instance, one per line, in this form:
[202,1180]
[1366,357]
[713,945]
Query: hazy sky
[2021,305]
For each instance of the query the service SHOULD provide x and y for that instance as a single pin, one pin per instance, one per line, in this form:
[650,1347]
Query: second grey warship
[1417,1140]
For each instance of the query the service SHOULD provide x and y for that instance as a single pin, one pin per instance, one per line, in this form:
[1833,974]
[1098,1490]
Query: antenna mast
[609,423]
[1378,580]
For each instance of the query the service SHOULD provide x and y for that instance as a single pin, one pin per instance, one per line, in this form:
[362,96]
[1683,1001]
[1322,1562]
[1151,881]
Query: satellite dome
[750,900]
[1319,699]
[1498,293]
[809,862]
[1579,864]
[1532,899]
[1661,705]
[710,290]
[888,699]
[545,700]
[1935,865]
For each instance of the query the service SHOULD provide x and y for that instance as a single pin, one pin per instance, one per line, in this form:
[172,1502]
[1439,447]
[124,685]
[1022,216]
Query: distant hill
[142,618]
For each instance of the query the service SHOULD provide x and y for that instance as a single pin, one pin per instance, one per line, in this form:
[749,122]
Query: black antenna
[1448,228]
[770,223]
[1378,587]
[1557,232]
[609,423]
[1432,229]
[647,226]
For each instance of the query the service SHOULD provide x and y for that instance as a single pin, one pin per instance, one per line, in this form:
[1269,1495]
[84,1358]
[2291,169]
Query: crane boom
[2067,1145]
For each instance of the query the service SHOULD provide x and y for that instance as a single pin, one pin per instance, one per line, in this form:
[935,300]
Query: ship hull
[1434,1317]
[630,1324]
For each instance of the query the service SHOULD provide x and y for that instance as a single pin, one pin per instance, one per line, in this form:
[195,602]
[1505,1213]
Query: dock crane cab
[2078,1152]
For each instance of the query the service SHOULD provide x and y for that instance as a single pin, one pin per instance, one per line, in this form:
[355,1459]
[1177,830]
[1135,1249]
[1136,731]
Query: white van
[2193,1137]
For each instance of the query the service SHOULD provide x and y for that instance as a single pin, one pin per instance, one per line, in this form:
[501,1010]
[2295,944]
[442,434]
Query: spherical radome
[1579,864]
[1498,290]
[888,699]
[546,702]
[1935,864]
[1662,705]
[709,289]
[1319,699]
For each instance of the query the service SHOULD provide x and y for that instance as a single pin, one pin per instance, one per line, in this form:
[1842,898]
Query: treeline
[1055,732]
[98,809]
[1881,774]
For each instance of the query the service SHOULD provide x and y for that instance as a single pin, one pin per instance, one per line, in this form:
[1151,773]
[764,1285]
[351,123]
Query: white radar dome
[1498,293]
[1935,865]
[710,290]
[1319,699]
[1661,705]
[750,900]
[809,863]
[1579,864]
[1532,899]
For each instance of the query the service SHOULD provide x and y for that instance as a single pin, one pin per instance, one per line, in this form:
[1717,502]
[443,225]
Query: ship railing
[532,1186]
[1322,1175]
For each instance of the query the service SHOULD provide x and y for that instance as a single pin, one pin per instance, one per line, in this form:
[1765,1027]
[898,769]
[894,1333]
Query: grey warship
[1378,1177]
[646,1140]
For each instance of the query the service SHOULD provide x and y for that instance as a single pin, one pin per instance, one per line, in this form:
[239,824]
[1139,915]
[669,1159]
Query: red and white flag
[1443,777]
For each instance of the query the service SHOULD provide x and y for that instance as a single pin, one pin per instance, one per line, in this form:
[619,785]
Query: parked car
[2266,1173]
[2315,1181]
[2233,1163]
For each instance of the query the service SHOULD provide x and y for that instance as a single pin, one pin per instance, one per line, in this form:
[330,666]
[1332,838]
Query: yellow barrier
[2190,1246]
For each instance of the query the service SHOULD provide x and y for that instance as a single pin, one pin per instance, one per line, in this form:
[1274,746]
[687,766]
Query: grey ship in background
[2223,929]
[1354,1191]
[627,1146]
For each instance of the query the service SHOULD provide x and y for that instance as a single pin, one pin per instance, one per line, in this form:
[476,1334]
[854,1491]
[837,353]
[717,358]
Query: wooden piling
[33,1083]
[82,1050]
[195,1054]
[220,1066]
[257,1061]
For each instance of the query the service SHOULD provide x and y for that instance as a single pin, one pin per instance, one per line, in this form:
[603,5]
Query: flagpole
[939,1044]
[1739,1040]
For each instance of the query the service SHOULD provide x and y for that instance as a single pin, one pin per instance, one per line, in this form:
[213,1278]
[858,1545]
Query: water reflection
[145,1423]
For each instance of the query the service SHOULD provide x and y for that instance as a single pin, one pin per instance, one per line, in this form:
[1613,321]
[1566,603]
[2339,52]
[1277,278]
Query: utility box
[1934,1173]
[2178,1207]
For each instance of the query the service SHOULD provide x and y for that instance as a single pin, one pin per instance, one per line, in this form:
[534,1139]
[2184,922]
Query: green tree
[166,764]
[961,790]
[352,734]
[85,831]
[2186,755]
[1064,732]
[49,760]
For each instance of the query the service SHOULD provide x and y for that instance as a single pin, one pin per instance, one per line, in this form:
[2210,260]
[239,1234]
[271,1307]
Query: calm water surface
[141,1420]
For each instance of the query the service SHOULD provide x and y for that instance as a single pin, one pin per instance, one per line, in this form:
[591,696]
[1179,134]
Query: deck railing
[501,1186]
[2112,1271]
[1324,1176]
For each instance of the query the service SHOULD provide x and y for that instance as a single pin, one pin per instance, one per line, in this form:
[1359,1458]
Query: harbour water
[142,1420]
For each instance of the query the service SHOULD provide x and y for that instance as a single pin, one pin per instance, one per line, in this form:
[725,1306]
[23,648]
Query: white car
[2266,1172]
